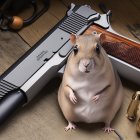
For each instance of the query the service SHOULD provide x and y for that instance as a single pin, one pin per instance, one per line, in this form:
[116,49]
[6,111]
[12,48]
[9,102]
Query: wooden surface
[41,119]
[12,47]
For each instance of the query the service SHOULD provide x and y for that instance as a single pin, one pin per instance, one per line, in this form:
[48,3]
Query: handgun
[29,74]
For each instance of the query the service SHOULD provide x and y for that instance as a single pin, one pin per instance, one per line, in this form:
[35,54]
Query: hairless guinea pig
[91,90]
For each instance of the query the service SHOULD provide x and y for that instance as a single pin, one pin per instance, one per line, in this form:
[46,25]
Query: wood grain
[111,37]
[33,33]
[11,48]
[119,47]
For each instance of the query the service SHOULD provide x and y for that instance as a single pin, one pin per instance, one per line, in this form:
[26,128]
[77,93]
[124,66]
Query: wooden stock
[119,47]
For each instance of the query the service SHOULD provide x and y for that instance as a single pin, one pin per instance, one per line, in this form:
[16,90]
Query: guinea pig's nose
[86,62]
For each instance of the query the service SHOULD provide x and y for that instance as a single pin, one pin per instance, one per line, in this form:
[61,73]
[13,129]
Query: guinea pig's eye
[97,49]
[94,32]
[75,49]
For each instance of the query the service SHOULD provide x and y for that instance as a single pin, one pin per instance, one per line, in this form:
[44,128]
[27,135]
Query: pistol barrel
[10,103]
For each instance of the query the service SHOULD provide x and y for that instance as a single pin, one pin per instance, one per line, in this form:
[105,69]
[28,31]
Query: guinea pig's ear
[100,38]
[73,38]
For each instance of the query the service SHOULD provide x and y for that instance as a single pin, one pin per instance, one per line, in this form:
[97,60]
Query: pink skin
[70,126]
[86,62]
[95,98]
[108,129]
[72,98]
[86,65]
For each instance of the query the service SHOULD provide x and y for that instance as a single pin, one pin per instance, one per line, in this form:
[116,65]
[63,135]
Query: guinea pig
[91,90]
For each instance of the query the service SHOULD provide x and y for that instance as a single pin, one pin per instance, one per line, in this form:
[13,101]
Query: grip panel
[119,47]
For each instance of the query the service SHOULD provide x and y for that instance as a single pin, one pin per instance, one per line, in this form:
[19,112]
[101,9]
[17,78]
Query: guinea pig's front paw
[108,129]
[73,98]
[70,126]
[95,98]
